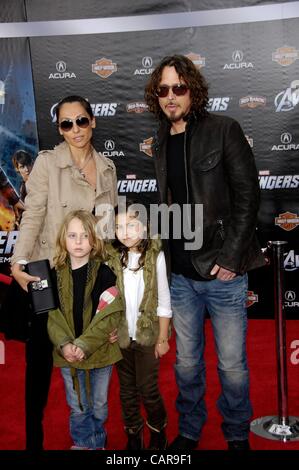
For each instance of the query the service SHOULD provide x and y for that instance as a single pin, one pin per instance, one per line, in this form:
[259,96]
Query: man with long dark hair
[205,159]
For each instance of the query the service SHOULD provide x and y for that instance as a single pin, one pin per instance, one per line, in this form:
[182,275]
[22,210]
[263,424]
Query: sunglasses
[67,124]
[178,90]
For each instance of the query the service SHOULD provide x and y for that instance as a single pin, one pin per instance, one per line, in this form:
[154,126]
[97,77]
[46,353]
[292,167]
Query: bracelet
[162,341]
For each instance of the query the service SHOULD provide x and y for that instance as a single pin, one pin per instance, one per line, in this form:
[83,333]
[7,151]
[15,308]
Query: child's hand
[113,336]
[78,353]
[68,352]
[161,348]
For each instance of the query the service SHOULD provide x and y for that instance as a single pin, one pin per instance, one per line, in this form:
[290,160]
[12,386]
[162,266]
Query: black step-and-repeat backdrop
[253,72]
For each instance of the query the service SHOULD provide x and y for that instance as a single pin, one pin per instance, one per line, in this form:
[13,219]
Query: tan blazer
[54,188]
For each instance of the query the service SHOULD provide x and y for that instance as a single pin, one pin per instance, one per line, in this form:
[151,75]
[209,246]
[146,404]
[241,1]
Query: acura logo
[237,56]
[286,138]
[147,62]
[60,66]
[290,295]
[109,145]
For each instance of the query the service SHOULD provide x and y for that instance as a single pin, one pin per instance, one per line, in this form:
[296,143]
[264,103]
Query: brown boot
[158,440]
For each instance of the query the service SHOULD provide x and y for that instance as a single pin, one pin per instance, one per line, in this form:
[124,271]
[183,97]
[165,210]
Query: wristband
[162,341]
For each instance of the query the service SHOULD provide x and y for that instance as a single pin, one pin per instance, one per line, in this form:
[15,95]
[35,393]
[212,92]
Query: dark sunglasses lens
[66,125]
[82,122]
[162,92]
[179,90]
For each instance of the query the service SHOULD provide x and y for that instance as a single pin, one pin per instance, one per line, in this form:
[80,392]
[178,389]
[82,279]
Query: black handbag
[43,293]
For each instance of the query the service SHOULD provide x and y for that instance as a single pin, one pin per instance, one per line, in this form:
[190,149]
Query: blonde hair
[89,222]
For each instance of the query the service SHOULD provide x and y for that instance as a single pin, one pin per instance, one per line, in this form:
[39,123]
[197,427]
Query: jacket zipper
[185,164]
[189,214]
[221,230]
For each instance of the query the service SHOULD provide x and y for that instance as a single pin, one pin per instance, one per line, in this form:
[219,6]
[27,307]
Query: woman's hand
[21,276]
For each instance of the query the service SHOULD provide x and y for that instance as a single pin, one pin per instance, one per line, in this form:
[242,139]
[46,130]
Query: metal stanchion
[282,427]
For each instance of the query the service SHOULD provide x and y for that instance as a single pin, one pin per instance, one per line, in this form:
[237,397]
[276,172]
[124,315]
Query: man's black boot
[183,443]
[238,445]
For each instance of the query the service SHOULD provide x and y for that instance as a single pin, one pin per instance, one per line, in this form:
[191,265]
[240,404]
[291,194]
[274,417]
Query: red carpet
[262,362]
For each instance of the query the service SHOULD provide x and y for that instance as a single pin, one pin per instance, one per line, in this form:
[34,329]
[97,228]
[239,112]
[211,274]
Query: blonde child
[139,265]
[90,309]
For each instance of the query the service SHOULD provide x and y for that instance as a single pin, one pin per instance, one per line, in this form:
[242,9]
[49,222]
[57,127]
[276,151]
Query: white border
[278,11]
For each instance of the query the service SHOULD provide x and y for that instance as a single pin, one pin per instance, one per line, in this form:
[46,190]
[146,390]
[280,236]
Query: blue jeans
[87,424]
[226,304]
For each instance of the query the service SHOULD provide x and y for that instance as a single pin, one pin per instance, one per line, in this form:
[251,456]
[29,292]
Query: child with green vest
[90,310]
[140,268]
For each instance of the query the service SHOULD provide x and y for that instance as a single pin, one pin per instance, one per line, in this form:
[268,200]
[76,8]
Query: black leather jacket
[221,175]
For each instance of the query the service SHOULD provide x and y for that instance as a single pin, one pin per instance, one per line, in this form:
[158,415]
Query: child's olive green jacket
[94,340]
[148,321]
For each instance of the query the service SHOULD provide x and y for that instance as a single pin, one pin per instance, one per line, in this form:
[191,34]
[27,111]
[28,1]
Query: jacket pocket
[208,161]
[213,238]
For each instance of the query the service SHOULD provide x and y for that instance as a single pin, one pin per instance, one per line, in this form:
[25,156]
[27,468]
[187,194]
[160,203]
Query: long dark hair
[144,244]
[187,71]
[73,99]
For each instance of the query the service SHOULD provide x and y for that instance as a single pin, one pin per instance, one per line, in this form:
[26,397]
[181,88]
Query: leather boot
[158,439]
[135,438]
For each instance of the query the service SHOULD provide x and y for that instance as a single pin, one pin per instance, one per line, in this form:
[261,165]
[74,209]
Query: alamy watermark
[160,220]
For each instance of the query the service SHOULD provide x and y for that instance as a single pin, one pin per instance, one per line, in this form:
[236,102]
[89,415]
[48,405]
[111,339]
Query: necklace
[84,165]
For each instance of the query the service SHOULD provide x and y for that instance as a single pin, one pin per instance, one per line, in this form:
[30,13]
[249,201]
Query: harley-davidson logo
[251,298]
[104,67]
[146,146]
[287,221]
[285,55]
[197,59]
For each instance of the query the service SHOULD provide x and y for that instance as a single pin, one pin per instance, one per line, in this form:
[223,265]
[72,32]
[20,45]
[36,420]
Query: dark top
[223,179]
[176,178]
[104,280]
[79,282]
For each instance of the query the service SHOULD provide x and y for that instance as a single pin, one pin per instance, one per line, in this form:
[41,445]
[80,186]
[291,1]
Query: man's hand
[222,273]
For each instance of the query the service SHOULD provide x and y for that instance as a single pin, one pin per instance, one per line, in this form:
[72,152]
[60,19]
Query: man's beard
[175,117]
